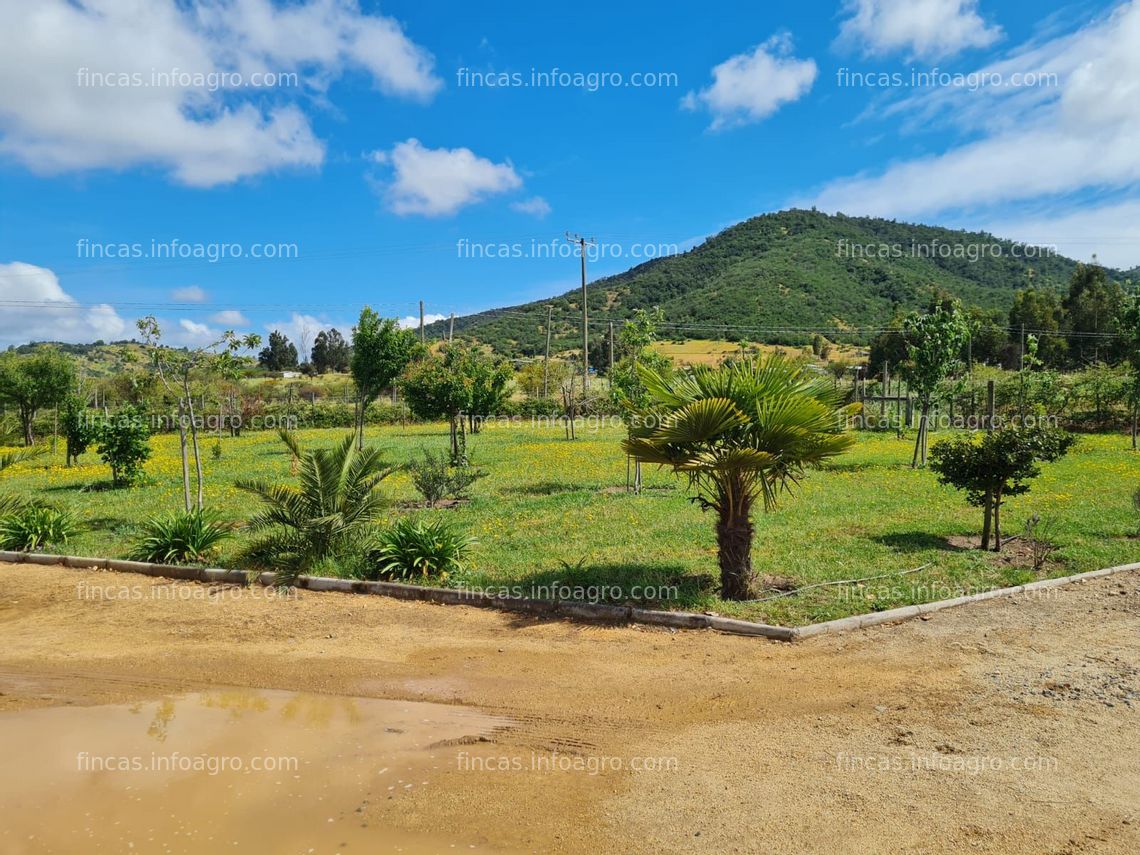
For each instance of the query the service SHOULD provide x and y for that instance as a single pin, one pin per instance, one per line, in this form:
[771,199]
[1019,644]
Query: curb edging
[559,608]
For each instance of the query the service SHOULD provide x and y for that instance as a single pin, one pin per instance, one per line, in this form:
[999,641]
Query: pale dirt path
[804,748]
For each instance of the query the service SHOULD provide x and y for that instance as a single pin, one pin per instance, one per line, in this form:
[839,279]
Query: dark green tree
[380,353]
[79,430]
[1092,309]
[34,381]
[996,464]
[330,352]
[1039,311]
[280,354]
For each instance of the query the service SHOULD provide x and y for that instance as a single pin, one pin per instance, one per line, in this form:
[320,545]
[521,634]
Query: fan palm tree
[324,517]
[740,432]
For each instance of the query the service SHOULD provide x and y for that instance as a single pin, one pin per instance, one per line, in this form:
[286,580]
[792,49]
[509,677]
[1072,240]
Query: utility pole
[611,365]
[451,328]
[582,244]
[421,321]
[546,359]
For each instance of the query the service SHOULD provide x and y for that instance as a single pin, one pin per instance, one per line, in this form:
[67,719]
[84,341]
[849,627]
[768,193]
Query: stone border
[555,608]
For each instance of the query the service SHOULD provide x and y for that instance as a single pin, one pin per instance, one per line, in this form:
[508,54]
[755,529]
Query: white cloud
[536,206]
[189,294]
[440,181]
[1111,232]
[36,308]
[413,321]
[750,87]
[195,333]
[1031,145]
[56,114]
[230,318]
[924,29]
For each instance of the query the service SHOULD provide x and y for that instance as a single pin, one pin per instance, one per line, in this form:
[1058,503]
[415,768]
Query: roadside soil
[1007,726]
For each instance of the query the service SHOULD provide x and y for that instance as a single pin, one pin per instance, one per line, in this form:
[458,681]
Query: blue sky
[384,164]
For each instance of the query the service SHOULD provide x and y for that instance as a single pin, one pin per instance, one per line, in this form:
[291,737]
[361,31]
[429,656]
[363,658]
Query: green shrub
[423,548]
[325,517]
[436,478]
[34,526]
[184,536]
[124,445]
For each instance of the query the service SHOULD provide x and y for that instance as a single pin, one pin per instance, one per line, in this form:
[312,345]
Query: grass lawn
[547,501]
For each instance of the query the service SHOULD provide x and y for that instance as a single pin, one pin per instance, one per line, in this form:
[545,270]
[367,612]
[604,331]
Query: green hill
[772,277]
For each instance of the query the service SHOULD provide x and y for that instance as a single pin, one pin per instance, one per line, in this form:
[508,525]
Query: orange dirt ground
[1009,726]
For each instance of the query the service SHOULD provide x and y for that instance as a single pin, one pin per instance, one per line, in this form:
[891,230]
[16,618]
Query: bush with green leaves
[181,537]
[327,516]
[995,465]
[436,478]
[124,445]
[78,430]
[32,527]
[418,548]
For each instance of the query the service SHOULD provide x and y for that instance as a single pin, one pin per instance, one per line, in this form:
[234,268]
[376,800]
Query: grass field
[556,510]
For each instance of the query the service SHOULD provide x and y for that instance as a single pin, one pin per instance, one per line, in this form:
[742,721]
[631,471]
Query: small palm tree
[327,516]
[741,432]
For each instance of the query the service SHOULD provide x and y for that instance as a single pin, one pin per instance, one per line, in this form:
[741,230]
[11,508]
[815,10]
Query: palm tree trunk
[734,544]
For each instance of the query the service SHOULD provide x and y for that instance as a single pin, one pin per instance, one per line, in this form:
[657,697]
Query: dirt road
[1010,726]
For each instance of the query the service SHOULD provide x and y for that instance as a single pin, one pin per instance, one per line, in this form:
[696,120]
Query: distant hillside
[771,276]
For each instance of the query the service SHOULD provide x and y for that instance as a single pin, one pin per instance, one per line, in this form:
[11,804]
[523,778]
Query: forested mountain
[772,276]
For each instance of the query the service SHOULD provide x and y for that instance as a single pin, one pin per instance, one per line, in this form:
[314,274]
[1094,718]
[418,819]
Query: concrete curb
[555,608]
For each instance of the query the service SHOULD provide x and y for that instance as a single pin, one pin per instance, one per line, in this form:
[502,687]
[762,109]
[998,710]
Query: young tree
[124,445]
[634,352]
[995,465]
[437,387]
[175,369]
[934,342]
[78,430]
[380,352]
[745,431]
[279,355]
[489,381]
[34,381]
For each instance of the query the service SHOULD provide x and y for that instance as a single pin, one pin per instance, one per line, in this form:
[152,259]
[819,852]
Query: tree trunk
[27,419]
[194,438]
[988,522]
[182,450]
[919,458]
[997,521]
[734,544]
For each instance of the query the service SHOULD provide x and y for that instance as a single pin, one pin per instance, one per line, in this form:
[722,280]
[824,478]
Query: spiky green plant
[419,548]
[741,432]
[328,514]
[181,537]
[32,527]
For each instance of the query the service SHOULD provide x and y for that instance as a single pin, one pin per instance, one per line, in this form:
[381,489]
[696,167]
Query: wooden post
[546,358]
[611,366]
[990,407]
[421,321]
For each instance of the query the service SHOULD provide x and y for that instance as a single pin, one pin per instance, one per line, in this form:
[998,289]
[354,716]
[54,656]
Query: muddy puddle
[227,771]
